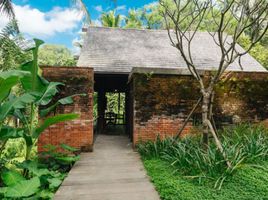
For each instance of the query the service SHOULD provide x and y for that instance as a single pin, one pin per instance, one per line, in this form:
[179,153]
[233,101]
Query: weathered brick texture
[159,126]
[77,133]
[162,102]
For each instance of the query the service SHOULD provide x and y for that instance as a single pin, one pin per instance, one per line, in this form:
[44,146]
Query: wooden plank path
[112,172]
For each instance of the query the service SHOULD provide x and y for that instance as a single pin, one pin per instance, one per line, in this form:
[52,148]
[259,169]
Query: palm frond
[6,7]
[110,19]
[11,29]
[82,6]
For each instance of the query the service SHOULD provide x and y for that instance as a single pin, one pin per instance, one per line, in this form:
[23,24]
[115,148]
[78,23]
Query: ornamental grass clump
[243,145]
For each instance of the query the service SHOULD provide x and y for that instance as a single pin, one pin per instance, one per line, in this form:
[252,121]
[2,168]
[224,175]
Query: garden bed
[248,183]
[185,169]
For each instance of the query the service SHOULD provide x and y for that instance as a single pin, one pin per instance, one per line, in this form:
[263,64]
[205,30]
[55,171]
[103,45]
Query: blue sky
[57,22]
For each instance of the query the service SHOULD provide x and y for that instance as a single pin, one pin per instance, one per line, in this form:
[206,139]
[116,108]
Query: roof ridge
[138,29]
[121,28]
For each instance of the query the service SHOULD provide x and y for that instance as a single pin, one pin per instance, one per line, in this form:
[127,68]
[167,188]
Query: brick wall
[162,102]
[77,133]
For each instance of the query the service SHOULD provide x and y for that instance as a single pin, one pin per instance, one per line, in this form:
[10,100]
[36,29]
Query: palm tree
[110,19]
[133,19]
[11,54]
[82,6]
[6,7]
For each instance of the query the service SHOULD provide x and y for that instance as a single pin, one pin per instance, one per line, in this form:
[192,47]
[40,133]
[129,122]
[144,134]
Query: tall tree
[56,55]
[11,55]
[194,12]
[151,16]
[133,19]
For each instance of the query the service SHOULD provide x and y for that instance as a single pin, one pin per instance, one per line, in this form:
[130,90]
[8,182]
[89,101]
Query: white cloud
[37,23]
[96,22]
[98,8]
[3,21]
[123,7]
[154,3]
[76,45]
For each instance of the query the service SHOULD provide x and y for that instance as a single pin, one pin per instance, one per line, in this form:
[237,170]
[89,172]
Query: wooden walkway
[112,172]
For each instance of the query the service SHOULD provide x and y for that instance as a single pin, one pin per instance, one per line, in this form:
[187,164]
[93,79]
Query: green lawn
[249,183]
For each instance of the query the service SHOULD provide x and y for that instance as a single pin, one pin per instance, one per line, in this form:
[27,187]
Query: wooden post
[188,118]
[218,143]
[101,110]
[119,103]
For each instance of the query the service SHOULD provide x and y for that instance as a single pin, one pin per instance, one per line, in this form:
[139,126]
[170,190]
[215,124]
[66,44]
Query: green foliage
[248,183]
[243,144]
[11,177]
[14,151]
[6,7]
[41,178]
[259,51]
[133,19]
[112,102]
[11,55]
[148,17]
[59,160]
[111,19]
[24,188]
[151,16]
[53,120]
[37,91]
[56,55]
[36,181]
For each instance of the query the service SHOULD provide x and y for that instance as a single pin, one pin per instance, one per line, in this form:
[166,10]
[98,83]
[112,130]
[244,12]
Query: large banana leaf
[8,132]
[33,83]
[12,73]
[23,188]
[11,177]
[53,120]
[16,102]
[63,101]
[50,91]
[6,86]
[8,80]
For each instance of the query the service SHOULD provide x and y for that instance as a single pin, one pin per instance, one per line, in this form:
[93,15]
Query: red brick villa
[159,90]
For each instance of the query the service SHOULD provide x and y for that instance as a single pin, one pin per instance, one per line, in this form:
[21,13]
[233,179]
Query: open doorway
[111,104]
[115,114]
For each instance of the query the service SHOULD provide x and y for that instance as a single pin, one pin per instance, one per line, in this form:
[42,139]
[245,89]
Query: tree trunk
[205,116]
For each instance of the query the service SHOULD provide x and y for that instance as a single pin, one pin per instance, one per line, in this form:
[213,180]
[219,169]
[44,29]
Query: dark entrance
[112,115]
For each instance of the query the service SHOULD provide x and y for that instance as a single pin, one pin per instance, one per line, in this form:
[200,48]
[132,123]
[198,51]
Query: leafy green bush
[35,92]
[59,160]
[244,144]
[31,179]
[27,177]
[38,179]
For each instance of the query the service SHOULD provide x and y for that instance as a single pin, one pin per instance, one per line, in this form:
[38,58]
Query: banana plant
[37,91]
[8,80]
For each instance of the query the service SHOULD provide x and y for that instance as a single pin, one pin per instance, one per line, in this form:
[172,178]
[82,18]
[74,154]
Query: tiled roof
[115,50]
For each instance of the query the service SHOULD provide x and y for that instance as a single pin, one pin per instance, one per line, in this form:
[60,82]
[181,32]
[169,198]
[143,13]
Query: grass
[249,183]
[184,169]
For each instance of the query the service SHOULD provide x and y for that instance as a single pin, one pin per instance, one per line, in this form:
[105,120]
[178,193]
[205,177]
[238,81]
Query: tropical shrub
[37,183]
[36,92]
[243,144]
[28,178]
[59,160]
